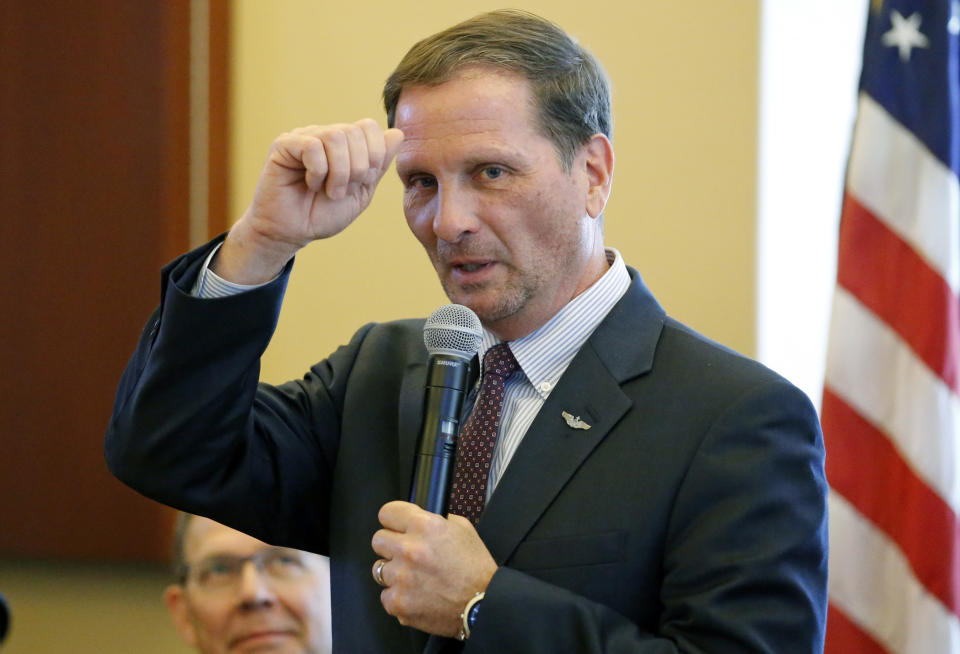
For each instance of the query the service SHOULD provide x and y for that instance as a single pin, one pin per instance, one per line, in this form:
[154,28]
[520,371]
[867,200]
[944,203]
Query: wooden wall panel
[219,217]
[94,148]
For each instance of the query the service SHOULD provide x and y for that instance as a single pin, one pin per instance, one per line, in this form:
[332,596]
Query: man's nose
[255,585]
[455,215]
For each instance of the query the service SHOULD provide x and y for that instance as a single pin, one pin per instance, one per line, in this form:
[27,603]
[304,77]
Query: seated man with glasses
[238,594]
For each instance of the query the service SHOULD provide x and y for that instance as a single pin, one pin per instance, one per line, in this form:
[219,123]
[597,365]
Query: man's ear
[598,164]
[176,600]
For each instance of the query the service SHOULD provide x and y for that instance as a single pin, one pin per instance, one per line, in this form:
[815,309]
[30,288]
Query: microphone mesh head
[453,329]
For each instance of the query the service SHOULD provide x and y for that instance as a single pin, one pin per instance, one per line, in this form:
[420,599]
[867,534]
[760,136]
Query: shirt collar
[545,353]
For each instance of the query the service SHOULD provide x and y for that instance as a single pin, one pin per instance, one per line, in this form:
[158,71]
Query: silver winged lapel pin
[574,422]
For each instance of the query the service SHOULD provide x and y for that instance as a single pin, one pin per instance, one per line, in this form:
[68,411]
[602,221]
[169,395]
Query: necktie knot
[499,361]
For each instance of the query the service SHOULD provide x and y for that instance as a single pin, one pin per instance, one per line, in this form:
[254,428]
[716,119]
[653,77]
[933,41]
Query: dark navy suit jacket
[690,517]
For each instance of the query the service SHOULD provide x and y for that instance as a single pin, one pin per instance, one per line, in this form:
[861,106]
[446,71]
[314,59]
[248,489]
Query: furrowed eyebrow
[510,158]
[408,170]
[507,158]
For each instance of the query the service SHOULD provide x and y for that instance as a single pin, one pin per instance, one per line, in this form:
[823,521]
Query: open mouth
[472,267]
[471,271]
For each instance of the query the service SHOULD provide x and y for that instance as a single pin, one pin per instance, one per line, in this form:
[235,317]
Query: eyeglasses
[223,571]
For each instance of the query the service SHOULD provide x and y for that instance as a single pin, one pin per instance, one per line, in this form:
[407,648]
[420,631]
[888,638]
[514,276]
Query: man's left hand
[434,565]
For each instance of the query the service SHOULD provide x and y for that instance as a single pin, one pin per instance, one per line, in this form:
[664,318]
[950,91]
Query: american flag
[891,412]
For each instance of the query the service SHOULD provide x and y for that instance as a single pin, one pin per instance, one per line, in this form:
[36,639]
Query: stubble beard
[512,296]
[496,301]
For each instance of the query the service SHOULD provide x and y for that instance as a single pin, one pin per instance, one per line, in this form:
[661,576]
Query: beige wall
[682,212]
[87,609]
[683,204]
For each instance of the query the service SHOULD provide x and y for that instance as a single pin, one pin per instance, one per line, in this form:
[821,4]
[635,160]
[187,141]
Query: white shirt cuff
[210,285]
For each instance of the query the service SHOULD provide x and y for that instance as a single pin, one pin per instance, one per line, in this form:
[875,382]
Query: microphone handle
[436,450]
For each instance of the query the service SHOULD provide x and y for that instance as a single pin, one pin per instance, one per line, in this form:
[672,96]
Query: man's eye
[283,562]
[492,172]
[215,570]
[287,559]
[422,182]
[222,568]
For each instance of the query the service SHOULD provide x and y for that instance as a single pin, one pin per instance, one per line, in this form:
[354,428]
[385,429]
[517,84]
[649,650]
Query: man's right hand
[315,182]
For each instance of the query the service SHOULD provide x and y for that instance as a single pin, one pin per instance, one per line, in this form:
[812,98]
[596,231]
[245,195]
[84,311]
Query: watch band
[469,616]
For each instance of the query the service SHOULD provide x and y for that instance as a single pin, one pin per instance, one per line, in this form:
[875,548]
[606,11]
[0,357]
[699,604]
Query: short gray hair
[570,88]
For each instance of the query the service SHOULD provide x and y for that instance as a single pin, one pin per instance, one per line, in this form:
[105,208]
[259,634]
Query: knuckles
[395,602]
[380,541]
[416,552]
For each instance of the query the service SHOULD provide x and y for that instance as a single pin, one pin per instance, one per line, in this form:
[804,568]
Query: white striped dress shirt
[210,285]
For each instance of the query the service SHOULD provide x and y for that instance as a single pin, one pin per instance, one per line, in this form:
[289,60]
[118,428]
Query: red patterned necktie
[479,435]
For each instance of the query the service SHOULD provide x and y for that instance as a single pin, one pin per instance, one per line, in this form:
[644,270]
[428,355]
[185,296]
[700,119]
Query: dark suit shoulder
[399,335]
[388,341]
[694,354]
[373,362]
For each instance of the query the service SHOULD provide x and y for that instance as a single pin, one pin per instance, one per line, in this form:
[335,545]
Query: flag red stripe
[888,276]
[845,637]
[864,467]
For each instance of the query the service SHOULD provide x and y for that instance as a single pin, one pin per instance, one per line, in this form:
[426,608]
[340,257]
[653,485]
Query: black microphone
[452,335]
[4,619]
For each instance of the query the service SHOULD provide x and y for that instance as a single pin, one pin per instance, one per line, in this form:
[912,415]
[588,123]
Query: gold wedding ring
[378,573]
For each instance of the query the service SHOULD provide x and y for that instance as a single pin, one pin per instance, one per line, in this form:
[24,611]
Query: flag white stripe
[874,371]
[871,582]
[897,178]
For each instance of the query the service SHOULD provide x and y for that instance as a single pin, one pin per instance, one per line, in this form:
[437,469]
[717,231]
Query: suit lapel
[410,407]
[551,452]
[621,348]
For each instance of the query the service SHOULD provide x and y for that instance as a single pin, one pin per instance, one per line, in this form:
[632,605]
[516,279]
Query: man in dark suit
[650,491]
